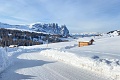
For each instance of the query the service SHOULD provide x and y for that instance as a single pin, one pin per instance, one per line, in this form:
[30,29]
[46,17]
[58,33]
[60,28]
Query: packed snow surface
[33,66]
[101,58]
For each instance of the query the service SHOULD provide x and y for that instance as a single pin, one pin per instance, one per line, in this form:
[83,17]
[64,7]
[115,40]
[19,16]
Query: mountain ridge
[51,28]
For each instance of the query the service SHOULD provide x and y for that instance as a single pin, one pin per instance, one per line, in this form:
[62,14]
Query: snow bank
[107,67]
[4,60]
[7,58]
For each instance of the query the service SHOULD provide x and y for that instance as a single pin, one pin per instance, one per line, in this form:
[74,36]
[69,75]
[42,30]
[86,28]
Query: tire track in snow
[55,73]
[83,74]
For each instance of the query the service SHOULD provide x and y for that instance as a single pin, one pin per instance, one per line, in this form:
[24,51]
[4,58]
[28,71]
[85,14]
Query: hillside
[52,28]
[25,38]
[114,33]
[101,59]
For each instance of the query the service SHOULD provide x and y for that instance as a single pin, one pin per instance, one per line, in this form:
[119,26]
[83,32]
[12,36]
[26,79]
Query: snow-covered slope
[114,33]
[102,58]
[39,27]
[19,27]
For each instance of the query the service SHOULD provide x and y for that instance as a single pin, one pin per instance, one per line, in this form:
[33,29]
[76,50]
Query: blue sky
[77,15]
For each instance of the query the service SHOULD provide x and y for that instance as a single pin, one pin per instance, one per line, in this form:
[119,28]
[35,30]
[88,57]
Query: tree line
[25,38]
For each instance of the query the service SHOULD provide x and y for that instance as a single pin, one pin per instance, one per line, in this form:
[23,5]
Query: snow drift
[107,67]
[4,61]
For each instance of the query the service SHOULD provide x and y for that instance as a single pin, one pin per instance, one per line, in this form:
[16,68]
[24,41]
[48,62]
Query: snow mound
[107,67]
[4,60]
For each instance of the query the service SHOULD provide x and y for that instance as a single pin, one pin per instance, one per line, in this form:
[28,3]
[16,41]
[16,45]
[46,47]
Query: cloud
[78,15]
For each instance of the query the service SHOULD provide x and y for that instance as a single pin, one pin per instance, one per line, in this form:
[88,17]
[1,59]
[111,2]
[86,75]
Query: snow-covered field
[102,58]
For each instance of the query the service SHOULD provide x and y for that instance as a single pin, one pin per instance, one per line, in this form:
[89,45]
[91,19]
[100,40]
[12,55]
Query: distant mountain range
[85,34]
[89,34]
[52,28]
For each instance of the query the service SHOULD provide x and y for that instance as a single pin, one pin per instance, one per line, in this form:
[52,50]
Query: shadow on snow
[11,74]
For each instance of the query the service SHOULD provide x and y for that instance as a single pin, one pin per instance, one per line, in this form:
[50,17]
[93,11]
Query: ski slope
[33,66]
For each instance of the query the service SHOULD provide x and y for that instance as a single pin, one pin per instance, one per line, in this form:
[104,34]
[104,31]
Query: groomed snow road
[33,66]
